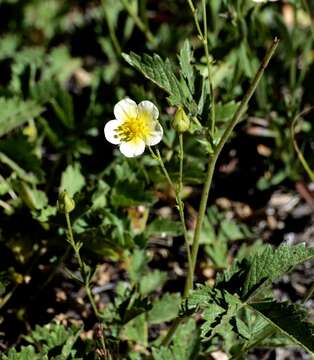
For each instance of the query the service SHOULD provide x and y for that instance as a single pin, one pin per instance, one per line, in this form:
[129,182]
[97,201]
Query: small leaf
[165,309]
[187,70]
[224,112]
[128,193]
[136,330]
[152,281]
[212,316]
[72,179]
[185,344]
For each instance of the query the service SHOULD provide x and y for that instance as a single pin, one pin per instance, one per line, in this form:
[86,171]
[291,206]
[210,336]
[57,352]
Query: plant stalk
[178,192]
[76,249]
[210,82]
[209,175]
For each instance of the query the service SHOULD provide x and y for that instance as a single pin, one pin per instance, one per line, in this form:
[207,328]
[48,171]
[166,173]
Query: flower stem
[197,23]
[208,61]
[181,204]
[72,241]
[178,192]
[209,176]
[203,35]
[86,281]
[304,163]
[213,159]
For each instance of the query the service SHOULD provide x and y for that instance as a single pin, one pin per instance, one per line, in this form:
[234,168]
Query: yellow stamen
[139,127]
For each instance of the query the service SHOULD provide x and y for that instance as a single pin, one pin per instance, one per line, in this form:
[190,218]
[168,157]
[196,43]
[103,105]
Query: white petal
[147,108]
[155,136]
[132,148]
[125,109]
[110,132]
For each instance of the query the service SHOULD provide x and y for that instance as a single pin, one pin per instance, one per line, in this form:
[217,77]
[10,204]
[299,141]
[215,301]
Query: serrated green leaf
[8,45]
[161,73]
[72,179]
[63,108]
[26,353]
[128,193]
[290,320]
[187,70]
[242,328]
[211,315]
[137,264]
[136,330]
[271,264]
[33,198]
[165,309]
[23,152]
[15,112]
[254,273]
[224,112]
[185,343]
[152,281]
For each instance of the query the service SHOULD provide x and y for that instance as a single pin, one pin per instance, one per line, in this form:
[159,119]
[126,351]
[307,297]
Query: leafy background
[64,66]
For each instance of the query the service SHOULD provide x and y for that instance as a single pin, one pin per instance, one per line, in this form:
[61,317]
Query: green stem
[304,163]
[113,35]
[92,300]
[178,193]
[308,294]
[8,296]
[210,171]
[225,136]
[181,204]
[162,165]
[72,242]
[210,83]
[138,22]
[197,23]
[76,249]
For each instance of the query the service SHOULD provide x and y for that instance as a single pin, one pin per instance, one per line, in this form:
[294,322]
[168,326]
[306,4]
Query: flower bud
[65,203]
[181,121]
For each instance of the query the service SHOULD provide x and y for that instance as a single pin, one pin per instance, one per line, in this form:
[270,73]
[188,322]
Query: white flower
[134,127]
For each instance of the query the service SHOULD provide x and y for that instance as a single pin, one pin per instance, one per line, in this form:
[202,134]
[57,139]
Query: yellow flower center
[134,128]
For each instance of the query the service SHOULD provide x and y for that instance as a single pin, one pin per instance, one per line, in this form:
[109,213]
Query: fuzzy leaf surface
[160,72]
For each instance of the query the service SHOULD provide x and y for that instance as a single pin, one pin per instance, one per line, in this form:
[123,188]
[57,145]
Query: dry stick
[209,175]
